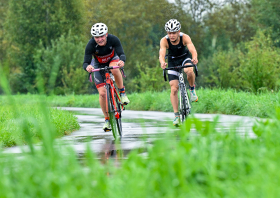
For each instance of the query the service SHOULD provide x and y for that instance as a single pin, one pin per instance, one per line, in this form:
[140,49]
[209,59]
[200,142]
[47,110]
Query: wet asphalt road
[136,125]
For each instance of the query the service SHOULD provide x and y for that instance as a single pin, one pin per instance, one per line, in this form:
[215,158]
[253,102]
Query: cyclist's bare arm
[188,42]
[162,52]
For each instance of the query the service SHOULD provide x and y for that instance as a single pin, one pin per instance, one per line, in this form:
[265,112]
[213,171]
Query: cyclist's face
[173,36]
[101,40]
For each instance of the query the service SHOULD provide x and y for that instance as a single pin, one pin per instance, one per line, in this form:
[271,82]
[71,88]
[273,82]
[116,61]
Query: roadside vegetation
[25,112]
[41,59]
[237,42]
[23,119]
[214,101]
[180,164]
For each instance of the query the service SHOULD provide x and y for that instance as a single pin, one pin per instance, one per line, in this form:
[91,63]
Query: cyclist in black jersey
[106,50]
[176,42]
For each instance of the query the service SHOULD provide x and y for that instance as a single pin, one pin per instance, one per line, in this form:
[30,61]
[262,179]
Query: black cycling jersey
[177,51]
[103,54]
[177,55]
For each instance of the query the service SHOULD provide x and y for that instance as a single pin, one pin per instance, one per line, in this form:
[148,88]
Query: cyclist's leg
[100,85]
[116,72]
[102,100]
[173,77]
[189,72]
[174,85]
[119,80]
[191,79]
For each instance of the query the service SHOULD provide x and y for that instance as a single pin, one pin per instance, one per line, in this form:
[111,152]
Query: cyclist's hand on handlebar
[120,63]
[163,65]
[195,61]
[89,68]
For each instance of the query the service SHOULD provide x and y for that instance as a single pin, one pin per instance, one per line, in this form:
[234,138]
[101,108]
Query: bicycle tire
[115,122]
[111,111]
[119,110]
[183,107]
[188,104]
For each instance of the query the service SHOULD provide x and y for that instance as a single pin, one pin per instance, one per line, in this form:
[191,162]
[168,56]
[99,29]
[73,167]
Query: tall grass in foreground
[180,164]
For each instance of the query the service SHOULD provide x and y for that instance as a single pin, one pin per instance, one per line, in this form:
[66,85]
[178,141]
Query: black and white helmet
[172,25]
[99,29]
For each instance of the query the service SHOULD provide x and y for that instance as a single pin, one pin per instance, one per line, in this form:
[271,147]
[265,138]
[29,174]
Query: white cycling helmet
[172,25]
[99,29]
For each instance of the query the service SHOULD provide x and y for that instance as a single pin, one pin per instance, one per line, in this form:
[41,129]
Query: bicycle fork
[114,103]
[110,101]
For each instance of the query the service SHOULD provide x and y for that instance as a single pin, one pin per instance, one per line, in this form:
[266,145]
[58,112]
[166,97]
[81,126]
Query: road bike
[184,98]
[114,107]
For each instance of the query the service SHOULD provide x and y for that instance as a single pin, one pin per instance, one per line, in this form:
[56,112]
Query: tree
[3,44]
[268,13]
[29,22]
[139,26]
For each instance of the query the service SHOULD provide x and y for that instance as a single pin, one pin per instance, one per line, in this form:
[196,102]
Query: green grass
[214,101]
[179,164]
[21,120]
[211,101]
[27,109]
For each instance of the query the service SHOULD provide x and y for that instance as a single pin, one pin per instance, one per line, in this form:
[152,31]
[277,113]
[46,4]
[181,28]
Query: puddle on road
[113,150]
[139,134]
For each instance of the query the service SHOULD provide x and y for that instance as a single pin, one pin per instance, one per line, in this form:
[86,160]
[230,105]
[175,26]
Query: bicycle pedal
[107,130]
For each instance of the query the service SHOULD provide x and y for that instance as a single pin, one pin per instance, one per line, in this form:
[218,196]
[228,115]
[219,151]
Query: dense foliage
[45,40]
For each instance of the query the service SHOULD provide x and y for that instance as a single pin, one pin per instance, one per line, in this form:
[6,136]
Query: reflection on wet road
[140,129]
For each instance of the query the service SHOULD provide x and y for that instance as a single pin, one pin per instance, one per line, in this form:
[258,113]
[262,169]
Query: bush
[60,66]
[254,69]
[260,65]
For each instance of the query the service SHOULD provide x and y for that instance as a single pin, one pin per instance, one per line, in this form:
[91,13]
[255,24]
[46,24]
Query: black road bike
[184,97]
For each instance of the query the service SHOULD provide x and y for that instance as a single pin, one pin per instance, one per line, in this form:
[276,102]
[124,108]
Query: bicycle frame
[114,107]
[185,108]
[109,81]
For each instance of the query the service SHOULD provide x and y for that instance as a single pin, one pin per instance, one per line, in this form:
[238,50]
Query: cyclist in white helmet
[181,51]
[106,50]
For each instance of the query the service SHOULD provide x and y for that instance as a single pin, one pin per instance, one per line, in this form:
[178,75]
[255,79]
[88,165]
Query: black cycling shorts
[99,77]
[174,74]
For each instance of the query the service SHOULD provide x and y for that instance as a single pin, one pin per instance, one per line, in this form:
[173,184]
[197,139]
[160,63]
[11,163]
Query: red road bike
[114,107]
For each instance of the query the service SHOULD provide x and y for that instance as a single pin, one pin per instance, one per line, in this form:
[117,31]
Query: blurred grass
[180,164]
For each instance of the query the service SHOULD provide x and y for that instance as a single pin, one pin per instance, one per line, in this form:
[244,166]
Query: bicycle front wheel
[183,102]
[115,116]
[118,114]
